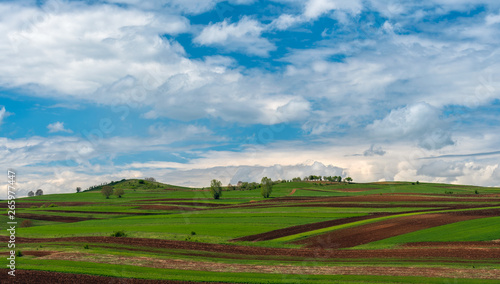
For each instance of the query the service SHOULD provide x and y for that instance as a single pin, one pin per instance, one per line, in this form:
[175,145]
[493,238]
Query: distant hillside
[142,184]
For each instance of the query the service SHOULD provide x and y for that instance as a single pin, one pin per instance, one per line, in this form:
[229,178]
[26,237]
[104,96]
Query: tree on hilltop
[216,188]
[266,187]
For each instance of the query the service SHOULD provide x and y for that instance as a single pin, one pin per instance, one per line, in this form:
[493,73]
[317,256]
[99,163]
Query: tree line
[265,185]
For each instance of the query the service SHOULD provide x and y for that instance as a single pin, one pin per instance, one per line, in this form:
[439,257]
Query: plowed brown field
[64,219]
[305,228]
[368,233]
[46,277]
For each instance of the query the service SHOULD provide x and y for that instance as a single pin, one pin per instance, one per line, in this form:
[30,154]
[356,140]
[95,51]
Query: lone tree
[348,179]
[119,192]
[78,189]
[216,188]
[107,191]
[31,193]
[39,192]
[266,187]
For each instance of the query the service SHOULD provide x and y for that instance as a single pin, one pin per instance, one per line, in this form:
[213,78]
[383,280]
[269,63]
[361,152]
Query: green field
[195,233]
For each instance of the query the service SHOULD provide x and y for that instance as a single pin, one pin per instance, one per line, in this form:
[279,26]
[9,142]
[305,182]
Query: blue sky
[188,91]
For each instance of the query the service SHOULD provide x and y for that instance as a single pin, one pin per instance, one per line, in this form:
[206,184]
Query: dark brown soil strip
[165,207]
[99,212]
[36,276]
[350,237]
[304,228]
[64,219]
[198,204]
[38,204]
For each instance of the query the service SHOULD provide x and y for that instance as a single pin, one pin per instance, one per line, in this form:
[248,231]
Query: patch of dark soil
[165,207]
[64,219]
[38,204]
[36,276]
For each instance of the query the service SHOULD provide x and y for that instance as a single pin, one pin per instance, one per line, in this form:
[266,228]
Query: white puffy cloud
[243,36]
[75,49]
[58,127]
[315,8]
[418,122]
[193,7]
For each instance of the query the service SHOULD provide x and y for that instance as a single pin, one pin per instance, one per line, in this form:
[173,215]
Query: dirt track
[368,233]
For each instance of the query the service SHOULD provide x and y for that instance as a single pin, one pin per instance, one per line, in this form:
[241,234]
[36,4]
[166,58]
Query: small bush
[52,205]
[86,247]
[34,206]
[476,192]
[418,182]
[141,181]
[193,233]
[26,224]
[448,192]
[412,183]
[43,206]
[119,234]
[19,253]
